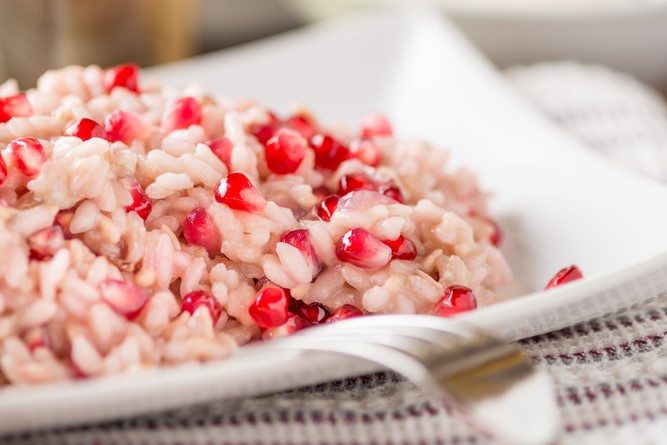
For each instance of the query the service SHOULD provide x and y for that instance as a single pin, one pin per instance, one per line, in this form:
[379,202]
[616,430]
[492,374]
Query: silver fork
[492,384]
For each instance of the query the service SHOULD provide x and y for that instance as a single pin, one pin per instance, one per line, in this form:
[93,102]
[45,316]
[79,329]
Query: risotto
[143,225]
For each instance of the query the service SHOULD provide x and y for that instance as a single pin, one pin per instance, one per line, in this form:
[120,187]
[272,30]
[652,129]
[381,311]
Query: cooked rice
[55,323]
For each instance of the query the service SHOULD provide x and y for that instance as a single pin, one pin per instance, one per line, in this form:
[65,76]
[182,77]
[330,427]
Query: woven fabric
[610,373]
[612,113]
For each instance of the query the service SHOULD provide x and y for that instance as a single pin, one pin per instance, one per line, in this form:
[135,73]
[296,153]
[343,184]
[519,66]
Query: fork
[490,383]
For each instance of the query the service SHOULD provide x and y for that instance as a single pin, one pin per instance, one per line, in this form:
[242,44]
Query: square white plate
[557,203]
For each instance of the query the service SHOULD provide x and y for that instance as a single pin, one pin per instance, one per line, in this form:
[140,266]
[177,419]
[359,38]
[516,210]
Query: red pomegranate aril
[3,170]
[194,300]
[329,153]
[363,249]
[355,181]
[125,126]
[126,75]
[199,230]
[402,248]
[45,243]
[300,239]
[125,298]
[237,192]
[327,207]
[140,202]
[456,299]
[313,313]
[265,132]
[222,148]
[285,151]
[63,219]
[181,114]
[273,117]
[303,125]
[37,338]
[376,125]
[270,308]
[85,129]
[392,192]
[496,236]
[344,312]
[565,275]
[14,106]
[28,154]
[293,324]
[366,151]
[322,192]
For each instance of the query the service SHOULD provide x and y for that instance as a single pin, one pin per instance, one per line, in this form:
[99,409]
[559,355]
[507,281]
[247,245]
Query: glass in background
[36,35]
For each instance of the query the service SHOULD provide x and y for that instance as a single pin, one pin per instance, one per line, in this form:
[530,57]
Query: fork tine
[483,377]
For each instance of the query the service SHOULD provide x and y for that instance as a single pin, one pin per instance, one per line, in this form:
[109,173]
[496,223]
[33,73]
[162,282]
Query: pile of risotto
[143,225]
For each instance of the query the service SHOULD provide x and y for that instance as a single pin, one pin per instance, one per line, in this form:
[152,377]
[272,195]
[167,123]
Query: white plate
[558,204]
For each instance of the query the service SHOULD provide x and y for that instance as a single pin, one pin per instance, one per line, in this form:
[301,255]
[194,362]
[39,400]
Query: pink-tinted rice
[54,324]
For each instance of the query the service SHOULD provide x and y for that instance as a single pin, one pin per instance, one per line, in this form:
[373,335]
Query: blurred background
[597,68]
[626,35]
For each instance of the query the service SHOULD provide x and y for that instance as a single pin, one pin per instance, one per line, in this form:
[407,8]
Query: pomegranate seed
[402,248]
[124,297]
[28,154]
[199,230]
[457,299]
[269,310]
[375,125]
[222,148]
[140,202]
[194,300]
[14,106]
[355,181]
[496,236]
[273,117]
[327,207]
[366,151]
[237,192]
[285,151]
[344,312]
[392,192]
[63,219]
[300,239]
[303,125]
[314,313]
[85,129]
[322,192]
[37,338]
[293,324]
[126,76]
[360,181]
[265,132]
[125,126]
[183,113]
[361,248]
[45,243]
[3,170]
[565,275]
[329,153]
